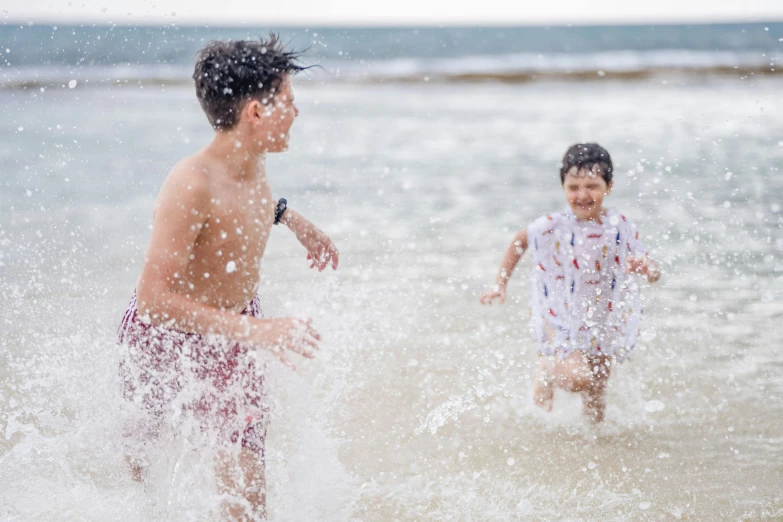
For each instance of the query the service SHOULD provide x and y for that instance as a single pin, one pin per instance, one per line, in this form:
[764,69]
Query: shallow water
[419,406]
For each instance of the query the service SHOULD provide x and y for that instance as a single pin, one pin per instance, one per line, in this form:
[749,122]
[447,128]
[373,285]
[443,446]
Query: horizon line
[399,23]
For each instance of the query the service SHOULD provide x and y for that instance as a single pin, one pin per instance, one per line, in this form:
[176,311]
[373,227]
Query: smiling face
[279,115]
[267,122]
[585,191]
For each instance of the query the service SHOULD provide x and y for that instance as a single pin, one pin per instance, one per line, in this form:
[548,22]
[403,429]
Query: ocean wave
[521,67]
[565,66]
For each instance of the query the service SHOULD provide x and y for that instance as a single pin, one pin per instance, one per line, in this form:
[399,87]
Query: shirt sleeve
[535,232]
[634,244]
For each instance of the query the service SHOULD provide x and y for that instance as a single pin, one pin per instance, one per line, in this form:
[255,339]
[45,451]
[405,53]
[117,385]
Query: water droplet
[653,406]
[230,267]
[72,84]
[510,461]
[644,505]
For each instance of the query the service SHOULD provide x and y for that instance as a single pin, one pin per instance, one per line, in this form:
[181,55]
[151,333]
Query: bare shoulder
[188,183]
[192,173]
[619,218]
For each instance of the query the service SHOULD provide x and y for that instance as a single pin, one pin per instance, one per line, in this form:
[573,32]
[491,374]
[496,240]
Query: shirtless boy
[189,336]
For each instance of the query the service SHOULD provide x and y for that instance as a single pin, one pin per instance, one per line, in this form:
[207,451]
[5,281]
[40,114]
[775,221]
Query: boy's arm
[180,213]
[320,249]
[638,262]
[513,254]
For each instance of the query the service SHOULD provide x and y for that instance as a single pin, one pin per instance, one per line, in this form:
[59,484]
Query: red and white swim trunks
[167,373]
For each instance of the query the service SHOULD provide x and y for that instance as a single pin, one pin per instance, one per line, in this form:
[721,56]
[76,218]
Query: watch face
[281,207]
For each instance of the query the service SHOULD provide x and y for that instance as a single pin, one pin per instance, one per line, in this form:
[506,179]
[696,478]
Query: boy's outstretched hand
[494,294]
[284,334]
[321,252]
[643,266]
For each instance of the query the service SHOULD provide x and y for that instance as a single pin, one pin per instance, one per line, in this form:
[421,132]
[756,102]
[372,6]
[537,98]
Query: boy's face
[585,191]
[276,117]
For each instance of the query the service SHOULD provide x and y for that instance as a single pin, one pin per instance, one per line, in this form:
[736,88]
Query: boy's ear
[609,187]
[254,111]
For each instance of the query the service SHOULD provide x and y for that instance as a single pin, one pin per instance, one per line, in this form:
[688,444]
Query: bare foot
[594,405]
[544,388]
[543,394]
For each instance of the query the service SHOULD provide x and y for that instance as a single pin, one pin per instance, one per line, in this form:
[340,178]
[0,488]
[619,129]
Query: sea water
[418,405]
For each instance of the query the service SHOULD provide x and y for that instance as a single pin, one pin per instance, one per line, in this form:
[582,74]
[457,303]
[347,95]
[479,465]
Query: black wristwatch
[280,210]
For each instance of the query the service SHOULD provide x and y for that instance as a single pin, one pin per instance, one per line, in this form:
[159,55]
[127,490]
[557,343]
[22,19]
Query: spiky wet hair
[230,72]
[586,156]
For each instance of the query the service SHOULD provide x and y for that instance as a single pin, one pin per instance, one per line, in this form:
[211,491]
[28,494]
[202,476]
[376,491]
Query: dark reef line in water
[506,77]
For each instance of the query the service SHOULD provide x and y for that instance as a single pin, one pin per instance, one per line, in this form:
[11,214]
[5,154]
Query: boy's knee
[582,380]
[574,378]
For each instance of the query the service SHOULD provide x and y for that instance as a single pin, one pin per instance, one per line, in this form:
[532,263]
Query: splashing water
[421,187]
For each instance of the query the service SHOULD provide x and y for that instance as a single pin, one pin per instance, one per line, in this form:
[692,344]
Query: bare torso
[224,265]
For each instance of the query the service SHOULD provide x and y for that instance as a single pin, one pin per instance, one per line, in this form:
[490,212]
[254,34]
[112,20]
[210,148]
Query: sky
[382,12]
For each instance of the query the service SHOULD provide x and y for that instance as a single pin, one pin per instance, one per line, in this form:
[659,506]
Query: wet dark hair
[230,72]
[586,156]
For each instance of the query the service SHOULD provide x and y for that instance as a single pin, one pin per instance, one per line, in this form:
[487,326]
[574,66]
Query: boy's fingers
[304,344]
[335,259]
[309,344]
[304,351]
[285,360]
[312,332]
[310,336]
[308,328]
[486,299]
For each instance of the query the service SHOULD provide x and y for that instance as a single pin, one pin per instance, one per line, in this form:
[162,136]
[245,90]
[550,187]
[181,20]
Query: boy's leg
[577,373]
[573,373]
[594,398]
[544,387]
[241,477]
[135,468]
